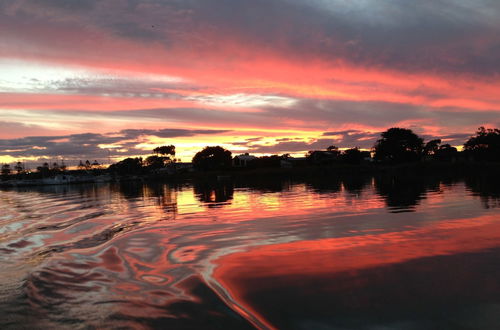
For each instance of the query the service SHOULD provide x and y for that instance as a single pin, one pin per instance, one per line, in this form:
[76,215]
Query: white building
[243,160]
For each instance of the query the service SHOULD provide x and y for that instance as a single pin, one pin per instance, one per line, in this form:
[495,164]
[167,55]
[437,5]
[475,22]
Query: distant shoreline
[431,168]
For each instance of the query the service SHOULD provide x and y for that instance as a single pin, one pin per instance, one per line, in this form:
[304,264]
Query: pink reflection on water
[290,265]
[142,255]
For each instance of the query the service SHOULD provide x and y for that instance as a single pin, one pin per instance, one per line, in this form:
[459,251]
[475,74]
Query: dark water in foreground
[360,253]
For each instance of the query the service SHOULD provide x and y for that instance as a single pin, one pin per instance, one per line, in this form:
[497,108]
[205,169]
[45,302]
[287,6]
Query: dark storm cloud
[69,5]
[408,35]
[437,35]
[134,30]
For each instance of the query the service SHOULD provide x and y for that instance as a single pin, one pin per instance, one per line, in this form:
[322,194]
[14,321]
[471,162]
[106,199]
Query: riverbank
[413,170]
[400,170]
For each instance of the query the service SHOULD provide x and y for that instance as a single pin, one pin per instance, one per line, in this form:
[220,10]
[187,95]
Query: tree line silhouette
[403,145]
[396,145]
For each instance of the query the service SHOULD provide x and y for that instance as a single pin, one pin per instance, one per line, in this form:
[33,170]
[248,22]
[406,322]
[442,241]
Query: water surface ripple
[357,253]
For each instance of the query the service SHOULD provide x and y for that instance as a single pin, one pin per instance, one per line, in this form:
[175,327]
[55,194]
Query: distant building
[243,160]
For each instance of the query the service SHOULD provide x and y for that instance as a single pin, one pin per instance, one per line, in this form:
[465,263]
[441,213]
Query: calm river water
[357,253]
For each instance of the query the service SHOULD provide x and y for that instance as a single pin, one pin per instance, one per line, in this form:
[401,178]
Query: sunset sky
[97,78]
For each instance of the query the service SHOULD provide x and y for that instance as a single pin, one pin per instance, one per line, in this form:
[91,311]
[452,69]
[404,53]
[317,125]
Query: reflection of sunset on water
[145,255]
[271,267]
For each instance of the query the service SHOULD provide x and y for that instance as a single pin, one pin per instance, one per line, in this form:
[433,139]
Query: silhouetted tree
[155,162]
[269,161]
[127,166]
[431,147]
[55,167]
[321,157]
[44,170]
[445,153]
[165,151]
[81,165]
[5,171]
[212,158]
[398,145]
[485,145]
[334,150]
[19,167]
[352,156]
